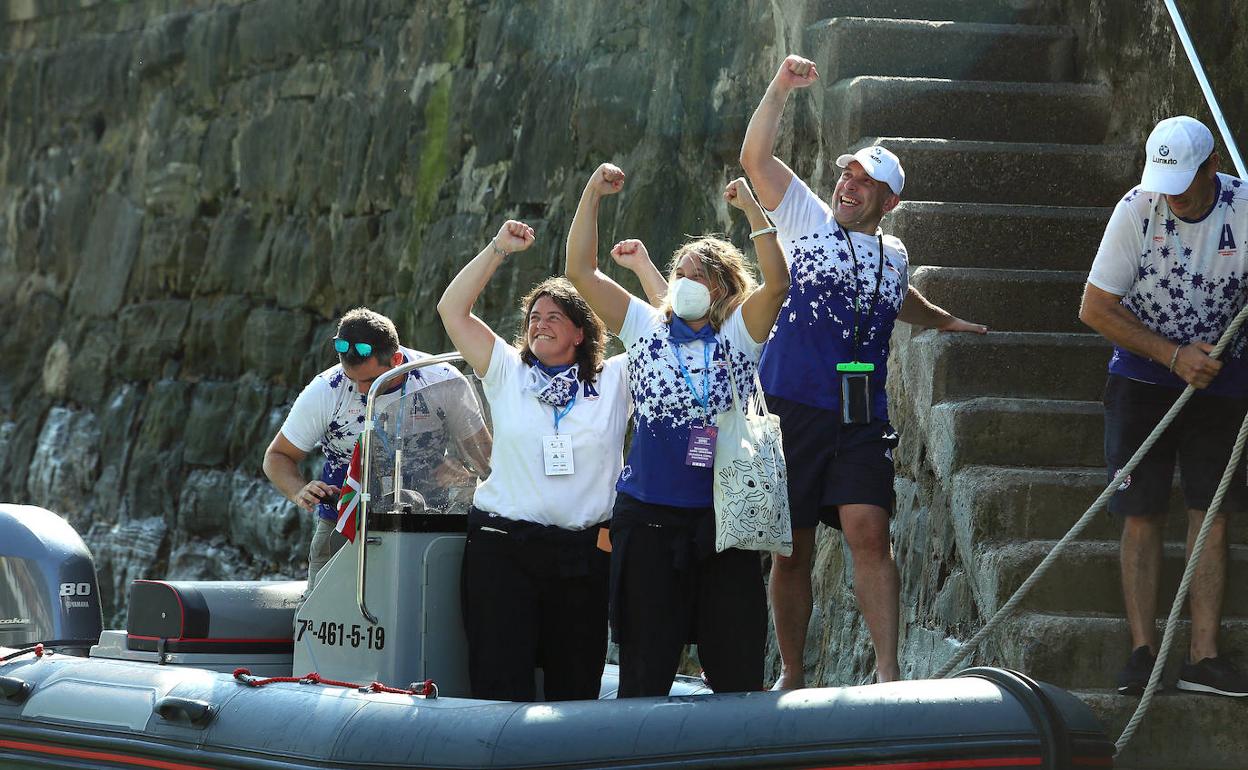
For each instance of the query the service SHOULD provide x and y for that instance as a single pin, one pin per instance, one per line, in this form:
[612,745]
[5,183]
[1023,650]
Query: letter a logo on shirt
[1228,239]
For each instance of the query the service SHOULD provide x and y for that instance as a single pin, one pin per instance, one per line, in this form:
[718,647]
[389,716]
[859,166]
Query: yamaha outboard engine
[48,591]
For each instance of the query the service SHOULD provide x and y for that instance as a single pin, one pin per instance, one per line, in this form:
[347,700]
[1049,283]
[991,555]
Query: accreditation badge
[557,454]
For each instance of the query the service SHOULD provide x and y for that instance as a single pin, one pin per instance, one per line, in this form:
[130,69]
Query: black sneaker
[1217,676]
[1133,677]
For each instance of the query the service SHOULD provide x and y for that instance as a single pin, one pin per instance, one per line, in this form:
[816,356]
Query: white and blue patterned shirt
[330,412]
[1183,279]
[815,329]
[665,409]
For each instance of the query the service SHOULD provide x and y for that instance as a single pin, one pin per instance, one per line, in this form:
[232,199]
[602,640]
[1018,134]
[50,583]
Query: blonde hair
[725,268]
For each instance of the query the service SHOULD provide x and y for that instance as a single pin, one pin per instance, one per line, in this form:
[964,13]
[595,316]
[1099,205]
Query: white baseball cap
[880,164]
[1174,151]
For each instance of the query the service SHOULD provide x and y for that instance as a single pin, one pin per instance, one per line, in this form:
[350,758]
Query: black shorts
[1201,438]
[830,464]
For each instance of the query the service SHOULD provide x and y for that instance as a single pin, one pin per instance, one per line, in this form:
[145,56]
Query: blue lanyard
[703,398]
[560,415]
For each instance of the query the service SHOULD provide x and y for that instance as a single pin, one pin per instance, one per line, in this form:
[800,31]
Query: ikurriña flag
[350,499]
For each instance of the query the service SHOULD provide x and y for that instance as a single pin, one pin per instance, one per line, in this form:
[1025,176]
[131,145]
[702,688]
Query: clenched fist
[514,236]
[739,196]
[607,179]
[796,72]
[630,254]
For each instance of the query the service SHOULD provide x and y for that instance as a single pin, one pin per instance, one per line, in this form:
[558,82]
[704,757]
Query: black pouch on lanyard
[855,398]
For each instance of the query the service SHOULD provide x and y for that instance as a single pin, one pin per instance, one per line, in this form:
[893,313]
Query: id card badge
[701,453]
[557,455]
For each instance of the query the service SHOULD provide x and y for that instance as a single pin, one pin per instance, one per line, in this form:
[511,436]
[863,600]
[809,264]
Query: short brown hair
[725,267]
[364,325]
[560,290]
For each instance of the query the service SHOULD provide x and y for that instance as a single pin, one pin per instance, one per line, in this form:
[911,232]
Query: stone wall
[191,192]
[1132,46]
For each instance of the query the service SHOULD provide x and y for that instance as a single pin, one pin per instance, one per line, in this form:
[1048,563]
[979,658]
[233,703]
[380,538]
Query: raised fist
[631,254]
[796,72]
[738,194]
[608,179]
[514,236]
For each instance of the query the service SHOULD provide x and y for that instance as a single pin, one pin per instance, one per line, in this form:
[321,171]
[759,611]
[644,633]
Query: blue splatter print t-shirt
[665,409]
[815,329]
[1182,279]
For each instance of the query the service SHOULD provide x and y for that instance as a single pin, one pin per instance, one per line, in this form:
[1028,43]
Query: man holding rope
[1167,280]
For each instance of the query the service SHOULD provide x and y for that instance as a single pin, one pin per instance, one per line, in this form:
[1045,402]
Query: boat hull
[83,712]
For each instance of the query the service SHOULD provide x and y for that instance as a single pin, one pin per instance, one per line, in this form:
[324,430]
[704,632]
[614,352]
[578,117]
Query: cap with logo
[880,164]
[1174,151]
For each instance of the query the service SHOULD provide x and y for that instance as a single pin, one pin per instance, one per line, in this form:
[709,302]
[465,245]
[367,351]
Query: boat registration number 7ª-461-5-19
[342,635]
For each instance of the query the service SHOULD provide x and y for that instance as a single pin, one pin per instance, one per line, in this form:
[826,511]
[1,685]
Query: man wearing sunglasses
[443,408]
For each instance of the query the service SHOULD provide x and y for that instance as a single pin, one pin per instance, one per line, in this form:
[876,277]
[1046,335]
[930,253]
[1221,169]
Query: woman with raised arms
[534,579]
[668,586]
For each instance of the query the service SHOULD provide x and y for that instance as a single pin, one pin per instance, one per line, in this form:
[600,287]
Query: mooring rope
[1172,621]
[1020,593]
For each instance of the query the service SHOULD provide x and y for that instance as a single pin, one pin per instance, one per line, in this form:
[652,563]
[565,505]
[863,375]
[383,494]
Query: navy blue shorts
[1200,437]
[830,464]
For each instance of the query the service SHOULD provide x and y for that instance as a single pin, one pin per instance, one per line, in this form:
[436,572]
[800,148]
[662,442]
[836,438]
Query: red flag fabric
[350,499]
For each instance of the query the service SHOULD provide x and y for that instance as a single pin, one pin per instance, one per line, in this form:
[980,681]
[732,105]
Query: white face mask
[690,299]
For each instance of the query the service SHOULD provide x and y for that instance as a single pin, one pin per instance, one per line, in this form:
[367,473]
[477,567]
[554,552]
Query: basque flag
[350,499]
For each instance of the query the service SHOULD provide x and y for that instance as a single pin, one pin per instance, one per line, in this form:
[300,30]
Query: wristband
[1175,357]
[497,250]
[762,231]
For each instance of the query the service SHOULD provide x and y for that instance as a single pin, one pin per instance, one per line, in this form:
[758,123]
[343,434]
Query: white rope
[1020,593]
[1193,559]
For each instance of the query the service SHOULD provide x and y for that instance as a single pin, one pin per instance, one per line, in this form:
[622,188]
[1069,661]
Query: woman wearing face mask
[668,586]
[534,579]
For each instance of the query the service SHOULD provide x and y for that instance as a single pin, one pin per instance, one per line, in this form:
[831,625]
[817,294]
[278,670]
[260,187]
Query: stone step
[1009,172]
[1191,732]
[998,235]
[1015,432]
[1007,300]
[848,46]
[1086,651]
[1012,364]
[967,110]
[1085,577]
[996,11]
[995,503]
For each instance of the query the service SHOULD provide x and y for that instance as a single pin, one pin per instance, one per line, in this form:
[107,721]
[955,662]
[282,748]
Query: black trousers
[671,588]
[534,597]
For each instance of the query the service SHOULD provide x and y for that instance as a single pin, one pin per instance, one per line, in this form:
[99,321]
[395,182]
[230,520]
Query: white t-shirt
[518,487]
[666,408]
[330,412]
[815,329]
[1183,279]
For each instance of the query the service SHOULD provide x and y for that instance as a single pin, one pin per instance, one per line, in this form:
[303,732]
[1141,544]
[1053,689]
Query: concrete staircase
[1009,184]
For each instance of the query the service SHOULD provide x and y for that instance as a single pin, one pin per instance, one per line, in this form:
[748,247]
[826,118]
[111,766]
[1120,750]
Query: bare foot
[789,681]
[887,673]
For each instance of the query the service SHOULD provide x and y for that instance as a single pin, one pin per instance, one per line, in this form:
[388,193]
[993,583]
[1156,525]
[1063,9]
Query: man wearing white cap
[824,370]
[1165,283]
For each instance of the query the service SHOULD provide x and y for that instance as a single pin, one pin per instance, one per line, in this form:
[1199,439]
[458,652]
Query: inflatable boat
[368,670]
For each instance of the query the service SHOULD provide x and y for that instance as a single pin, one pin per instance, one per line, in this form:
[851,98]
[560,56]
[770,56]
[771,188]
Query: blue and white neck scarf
[554,386]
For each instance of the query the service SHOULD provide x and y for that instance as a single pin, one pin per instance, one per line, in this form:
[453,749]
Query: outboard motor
[48,591]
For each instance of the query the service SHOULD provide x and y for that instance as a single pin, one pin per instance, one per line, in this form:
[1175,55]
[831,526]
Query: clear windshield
[431,441]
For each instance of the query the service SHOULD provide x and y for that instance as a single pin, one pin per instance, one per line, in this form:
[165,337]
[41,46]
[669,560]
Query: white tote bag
[751,485]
